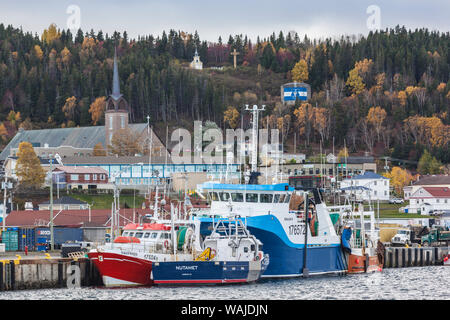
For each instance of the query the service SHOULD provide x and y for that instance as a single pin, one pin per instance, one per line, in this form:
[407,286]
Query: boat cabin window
[214,196]
[146,235]
[252,247]
[251,197]
[165,235]
[125,234]
[245,249]
[224,196]
[154,235]
[237,197]
[131,234]
[287,198]
[138,234]
[276,198]
[281,199]
[266,198]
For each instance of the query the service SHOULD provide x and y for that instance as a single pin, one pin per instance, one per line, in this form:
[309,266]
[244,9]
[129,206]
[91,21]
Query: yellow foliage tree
[65,56]
[97,109]
[300,71]
[98,150]
[70,107]
[38,52]
[50,34]
[125,143]
[376,118]
[399,178]
[343,153]
[28,166]
[355,82]
[231,116]
[402,97]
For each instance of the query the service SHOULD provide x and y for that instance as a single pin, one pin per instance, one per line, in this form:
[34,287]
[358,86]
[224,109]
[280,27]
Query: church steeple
[116,83]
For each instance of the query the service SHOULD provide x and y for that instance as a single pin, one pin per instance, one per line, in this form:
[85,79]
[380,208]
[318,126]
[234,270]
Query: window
[374,183]
[138,234]
[224,196]
[281,199]
[110,123]
[237,197]
[95,177]
[276,199]
[146,235]
[131,234]
[266,198]
[87,177]
[122,122]
[287,199]
[154,235]
[251,197]
[74,177]
[214,196]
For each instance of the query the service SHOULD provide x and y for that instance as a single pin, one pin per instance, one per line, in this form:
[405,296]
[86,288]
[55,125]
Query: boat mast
[255,112]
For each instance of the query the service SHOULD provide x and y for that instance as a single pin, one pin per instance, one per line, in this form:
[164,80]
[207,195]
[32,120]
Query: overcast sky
[212,18]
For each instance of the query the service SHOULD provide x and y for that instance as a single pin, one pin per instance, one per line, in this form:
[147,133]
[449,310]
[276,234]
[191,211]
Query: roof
[78,137]
[98,217]
[252,187]
[81,169]
[431,192]
[355,188]
[103,160]
[430,180]
[362,159]
[368,175]
[65,200]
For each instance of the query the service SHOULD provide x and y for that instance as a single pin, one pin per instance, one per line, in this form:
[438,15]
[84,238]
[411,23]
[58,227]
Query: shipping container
[26,238]
[60,236]
[10,239]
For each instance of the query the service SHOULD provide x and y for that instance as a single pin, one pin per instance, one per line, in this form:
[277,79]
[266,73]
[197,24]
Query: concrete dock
[45,270]
[402,257]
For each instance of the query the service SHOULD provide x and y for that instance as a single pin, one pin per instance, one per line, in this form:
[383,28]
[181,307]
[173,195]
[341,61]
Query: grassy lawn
[103,201]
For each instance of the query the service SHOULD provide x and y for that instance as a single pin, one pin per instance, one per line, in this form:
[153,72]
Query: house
[368,187]
[64,203]
[438,180]
[426,200]
[81,177]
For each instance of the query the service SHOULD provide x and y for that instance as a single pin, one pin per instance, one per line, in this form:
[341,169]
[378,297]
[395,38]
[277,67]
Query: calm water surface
[427,283]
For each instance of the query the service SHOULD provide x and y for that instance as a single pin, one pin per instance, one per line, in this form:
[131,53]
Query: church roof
[78,137]
[116,83]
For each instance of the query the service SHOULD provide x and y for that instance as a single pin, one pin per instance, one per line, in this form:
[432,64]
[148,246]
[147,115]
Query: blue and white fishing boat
[231,255]
[299,242]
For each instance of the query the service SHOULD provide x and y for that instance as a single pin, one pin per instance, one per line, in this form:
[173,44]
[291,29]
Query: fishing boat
[231,255]
[299,242]
[361,241]
[128,259]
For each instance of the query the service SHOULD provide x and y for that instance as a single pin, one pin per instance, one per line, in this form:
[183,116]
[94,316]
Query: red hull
[356,264]
[121,270]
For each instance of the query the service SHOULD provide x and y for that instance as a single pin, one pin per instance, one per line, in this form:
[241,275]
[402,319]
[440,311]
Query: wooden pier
[402,257]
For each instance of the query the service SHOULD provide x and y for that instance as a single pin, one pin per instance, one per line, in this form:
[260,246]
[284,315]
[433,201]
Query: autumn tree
[50,34]
[97,110]
[399,178]
[231,116]
[124,142]
[69,108]
[28,167]
[98,150]
[376,117]
[305,115]
[300,71]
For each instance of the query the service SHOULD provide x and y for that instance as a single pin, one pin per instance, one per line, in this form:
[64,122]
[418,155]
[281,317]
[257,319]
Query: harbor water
[418,283]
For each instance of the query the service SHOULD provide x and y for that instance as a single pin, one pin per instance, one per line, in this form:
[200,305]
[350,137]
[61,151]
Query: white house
[368,187]
[438,180]
[428,199]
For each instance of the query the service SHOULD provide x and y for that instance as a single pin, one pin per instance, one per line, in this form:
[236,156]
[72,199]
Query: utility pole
[4,201]
[52,243]
[254,159]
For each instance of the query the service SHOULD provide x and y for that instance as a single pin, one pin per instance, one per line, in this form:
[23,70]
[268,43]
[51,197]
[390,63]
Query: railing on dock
[395,257]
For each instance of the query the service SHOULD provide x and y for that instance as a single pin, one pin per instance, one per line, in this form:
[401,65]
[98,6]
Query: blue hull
[203,272]
[287,258]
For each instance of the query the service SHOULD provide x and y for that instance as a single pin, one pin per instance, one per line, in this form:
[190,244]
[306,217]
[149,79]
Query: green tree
[428,164]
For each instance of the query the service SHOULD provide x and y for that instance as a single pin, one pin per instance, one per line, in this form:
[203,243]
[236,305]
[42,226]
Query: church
[80,141]
[196,63]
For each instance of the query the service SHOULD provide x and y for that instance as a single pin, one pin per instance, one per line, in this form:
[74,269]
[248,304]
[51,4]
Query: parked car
[396,200]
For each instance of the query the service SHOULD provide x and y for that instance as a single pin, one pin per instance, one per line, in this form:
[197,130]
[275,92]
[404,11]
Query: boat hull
[205,272]
[363,264]
[287,259]
[119,270]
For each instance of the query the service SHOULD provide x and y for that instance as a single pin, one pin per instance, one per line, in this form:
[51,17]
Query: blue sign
[294,93]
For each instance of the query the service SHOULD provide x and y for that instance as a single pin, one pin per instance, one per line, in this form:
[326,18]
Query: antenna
[255,112]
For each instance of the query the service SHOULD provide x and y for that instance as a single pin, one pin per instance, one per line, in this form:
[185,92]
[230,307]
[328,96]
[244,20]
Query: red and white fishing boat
[128,259]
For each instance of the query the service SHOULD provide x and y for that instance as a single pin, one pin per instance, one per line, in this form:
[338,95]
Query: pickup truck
[401,238]
[436,236]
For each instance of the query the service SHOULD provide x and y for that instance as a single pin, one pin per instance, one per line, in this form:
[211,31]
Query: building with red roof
[428,200]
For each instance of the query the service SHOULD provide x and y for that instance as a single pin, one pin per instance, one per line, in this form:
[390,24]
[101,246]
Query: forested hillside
[387,93]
